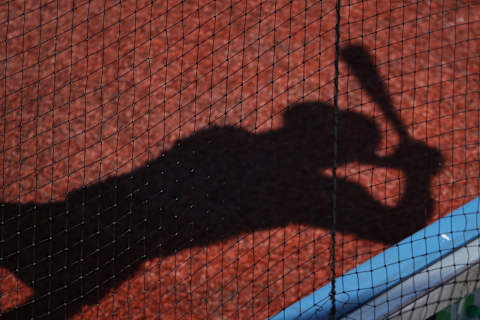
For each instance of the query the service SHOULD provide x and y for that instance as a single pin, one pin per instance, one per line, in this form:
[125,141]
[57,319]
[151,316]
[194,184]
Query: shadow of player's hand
[415,158]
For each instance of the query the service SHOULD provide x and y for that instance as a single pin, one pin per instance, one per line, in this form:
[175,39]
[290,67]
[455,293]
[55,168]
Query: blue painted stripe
[390,267]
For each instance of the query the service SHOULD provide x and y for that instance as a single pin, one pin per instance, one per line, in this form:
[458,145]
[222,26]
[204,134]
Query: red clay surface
[120,82]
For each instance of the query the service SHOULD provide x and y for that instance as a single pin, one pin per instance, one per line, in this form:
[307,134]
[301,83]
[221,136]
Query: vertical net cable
[334,164]
[226,159]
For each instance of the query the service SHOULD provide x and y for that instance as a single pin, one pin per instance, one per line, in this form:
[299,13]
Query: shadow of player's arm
[419,163]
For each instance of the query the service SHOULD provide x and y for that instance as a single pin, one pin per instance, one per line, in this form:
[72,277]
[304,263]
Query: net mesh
[223,159]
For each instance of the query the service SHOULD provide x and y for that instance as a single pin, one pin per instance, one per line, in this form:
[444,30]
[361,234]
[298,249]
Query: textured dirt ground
[96,89]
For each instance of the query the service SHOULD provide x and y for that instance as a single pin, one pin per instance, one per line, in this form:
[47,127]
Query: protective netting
[223,159]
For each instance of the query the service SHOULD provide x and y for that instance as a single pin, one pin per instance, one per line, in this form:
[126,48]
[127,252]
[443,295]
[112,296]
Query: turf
[92,90]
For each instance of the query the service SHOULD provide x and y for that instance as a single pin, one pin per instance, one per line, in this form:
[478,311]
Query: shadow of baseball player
[217,184]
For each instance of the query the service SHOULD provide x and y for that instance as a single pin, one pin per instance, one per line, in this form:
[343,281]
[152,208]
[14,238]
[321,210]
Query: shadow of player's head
[310,128]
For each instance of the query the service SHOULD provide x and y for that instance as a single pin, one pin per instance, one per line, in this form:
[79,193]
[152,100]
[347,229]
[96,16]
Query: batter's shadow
[217,184]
